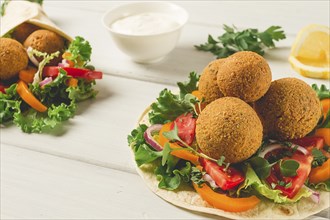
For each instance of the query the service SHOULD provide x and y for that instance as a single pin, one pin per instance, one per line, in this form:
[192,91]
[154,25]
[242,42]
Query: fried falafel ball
[290,109]
[208,82]
[229,127]
[23,30]
[13,58]
[245,75]
[46,41]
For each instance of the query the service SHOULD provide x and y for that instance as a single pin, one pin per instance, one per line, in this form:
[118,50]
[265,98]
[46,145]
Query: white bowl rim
[186,16]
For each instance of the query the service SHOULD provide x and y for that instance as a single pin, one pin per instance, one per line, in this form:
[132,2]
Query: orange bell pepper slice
[183,154]
[72,82]
[27,74]
[223,202]
[320,174]
[24,92]
[325,133]
[325,106]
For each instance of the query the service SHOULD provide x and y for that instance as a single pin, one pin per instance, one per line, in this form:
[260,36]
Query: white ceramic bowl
[146,48]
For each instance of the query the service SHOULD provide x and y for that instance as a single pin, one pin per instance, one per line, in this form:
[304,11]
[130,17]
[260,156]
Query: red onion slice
[46,81]
[315,197]
[149,138]
[273,147]
[209,179]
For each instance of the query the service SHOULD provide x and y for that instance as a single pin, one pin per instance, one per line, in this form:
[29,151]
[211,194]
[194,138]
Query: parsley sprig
[250,39]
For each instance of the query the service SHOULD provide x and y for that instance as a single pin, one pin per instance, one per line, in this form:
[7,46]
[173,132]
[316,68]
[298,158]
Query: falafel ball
[208,82]
[290,109]
[23,30]
[229,127]
[13,58]
[46,41]
[245,75]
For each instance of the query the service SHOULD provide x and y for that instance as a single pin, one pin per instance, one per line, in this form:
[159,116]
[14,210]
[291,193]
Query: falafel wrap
[270,181]
[18,12]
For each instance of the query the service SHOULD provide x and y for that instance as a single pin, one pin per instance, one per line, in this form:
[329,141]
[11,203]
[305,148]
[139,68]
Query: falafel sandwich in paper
[44,72]
[234,143]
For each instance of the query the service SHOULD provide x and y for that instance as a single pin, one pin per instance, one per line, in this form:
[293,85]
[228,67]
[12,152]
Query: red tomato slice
[53,71]
[224,179]
[296,181]
[186,124]
[310,142]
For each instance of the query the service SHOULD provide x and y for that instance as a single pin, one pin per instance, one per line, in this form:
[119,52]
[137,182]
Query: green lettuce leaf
[322,185]
[81,51]
[190,86]
[253,181]
[142,152]
[323,92]
[9,104]
[172,179]
[168,107]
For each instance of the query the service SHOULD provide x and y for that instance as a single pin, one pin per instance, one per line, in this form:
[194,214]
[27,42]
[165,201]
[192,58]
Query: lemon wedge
[310,52]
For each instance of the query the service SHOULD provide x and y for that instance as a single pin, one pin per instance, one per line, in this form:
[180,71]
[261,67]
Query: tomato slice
[291,185]
[310,142]
[224,179]
[186,124]
[53,71]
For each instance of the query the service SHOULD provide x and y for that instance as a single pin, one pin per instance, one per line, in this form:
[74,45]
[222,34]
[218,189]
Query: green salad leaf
[190,86]
[169,106]
[172,179]
[80,51]
[318,157]
[322,185]
[253,181]
[143,153]
[261,166]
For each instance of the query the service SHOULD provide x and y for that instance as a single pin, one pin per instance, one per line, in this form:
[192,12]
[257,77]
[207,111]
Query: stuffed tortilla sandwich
[223,157]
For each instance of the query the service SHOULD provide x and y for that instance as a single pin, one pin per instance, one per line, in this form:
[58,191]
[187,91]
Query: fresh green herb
[323,92]
[197,176]
[289,167]
[221,161]
[261,166]
[318,158]
[166,153]
[80,51]
[233,41]
[171,179]
[190,86]
[288,185]
[281,183]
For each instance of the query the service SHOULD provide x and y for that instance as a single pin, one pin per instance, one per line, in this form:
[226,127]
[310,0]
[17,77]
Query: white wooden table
[87,171]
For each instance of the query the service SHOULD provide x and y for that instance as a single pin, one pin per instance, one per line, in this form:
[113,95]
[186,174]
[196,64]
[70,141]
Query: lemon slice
[310,52]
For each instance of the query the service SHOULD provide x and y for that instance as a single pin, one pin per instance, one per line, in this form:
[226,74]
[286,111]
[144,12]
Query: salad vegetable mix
[280,171]
[44,97]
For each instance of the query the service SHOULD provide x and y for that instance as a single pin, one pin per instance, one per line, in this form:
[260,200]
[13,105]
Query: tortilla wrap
[186,197]
[18,12]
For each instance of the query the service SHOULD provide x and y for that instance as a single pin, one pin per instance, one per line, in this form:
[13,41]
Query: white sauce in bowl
[145,24]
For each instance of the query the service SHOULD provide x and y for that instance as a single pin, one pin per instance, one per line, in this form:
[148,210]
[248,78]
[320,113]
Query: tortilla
[18,12]
[186,197]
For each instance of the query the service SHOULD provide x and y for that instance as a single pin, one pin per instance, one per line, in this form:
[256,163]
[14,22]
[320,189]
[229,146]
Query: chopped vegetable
[222,201]
[183,154]
[321,173]
[29,98]
[225,178]
[27,75]
[53,71]
[325,133]
[186,124]
[148,136]
[79,52]
[246,40]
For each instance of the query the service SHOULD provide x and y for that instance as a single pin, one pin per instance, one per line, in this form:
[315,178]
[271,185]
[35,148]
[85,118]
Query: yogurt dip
[149,23]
